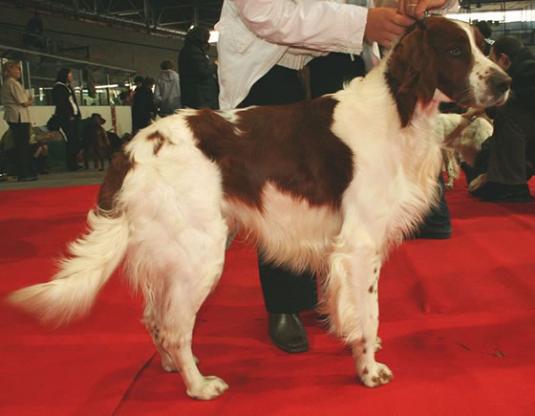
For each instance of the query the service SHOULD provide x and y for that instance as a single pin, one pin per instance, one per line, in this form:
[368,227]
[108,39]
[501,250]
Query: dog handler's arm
[322,25]
[319,25]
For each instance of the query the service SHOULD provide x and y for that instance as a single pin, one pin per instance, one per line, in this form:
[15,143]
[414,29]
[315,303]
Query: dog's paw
[209,388]
[375,375]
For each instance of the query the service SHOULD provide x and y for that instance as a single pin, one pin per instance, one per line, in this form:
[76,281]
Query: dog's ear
[411,72]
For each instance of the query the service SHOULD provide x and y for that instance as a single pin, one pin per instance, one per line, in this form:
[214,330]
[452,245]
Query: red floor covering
[457,323]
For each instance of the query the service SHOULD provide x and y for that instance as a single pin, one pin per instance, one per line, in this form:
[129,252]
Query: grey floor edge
[56,180]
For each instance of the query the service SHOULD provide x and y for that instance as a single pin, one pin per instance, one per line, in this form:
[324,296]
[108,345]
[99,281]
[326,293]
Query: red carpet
[457,323]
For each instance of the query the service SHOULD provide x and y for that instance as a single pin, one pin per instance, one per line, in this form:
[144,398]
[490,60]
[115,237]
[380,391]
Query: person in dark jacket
[68,115]
[198,80]
[507,159]
[143,108]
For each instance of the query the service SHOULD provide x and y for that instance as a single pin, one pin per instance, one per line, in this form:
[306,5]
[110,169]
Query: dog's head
[443,58]
[97,119]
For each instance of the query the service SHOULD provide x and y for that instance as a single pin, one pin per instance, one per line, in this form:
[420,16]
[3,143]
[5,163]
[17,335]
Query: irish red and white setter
[327,185]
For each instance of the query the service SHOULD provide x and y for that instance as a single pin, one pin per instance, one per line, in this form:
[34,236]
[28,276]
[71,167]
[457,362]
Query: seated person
[39,138]
[507,159]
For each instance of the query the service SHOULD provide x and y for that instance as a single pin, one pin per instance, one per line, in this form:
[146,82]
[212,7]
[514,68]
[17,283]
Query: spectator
[486,30]
[507,159]
[68,115]
[126,97]
[167,90]
[143,108]
[39,148]
[34,33]
[198,80]
[138,81]
[16,113]
[262,46]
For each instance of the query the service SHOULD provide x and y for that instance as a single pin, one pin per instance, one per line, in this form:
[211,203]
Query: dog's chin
[483,102]
[492,101]
[467,101]
[502,100]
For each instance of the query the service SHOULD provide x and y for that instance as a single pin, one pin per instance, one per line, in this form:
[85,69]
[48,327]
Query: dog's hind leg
[351,291]
[153,327]
[183,267]
[187,292]
[177,243]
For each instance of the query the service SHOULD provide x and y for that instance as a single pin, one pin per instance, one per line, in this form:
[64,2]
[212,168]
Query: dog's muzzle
[499,83]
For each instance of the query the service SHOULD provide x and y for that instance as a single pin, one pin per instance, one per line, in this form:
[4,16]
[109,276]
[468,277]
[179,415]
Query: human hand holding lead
[417,8]
[384,25]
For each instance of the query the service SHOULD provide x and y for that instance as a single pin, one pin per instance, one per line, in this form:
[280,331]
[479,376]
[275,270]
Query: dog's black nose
[499,83]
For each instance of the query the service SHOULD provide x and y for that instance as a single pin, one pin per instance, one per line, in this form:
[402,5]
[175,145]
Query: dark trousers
[72,146]
[283,290]
[23,157]
[511,148]
[438,218]
[328,73]
[140,122]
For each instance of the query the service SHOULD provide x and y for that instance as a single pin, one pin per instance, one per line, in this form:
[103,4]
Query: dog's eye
[455,52]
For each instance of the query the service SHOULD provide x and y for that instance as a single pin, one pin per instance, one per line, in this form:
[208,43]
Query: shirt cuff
[355,28]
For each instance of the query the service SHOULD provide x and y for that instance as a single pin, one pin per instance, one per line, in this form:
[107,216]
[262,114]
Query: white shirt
[74,105]
[13,98]
[254,35]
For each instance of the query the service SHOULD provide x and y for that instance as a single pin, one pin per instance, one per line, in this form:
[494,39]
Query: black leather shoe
[498,192]
[436,233]
[287,332]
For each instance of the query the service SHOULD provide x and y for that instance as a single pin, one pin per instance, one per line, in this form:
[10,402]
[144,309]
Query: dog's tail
[72,291]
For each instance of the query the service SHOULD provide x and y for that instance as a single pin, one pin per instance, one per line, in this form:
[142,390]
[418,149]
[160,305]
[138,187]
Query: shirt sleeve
[319,25]
[450,6]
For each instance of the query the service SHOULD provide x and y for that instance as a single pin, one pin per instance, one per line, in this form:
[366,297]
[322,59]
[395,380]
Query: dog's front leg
[352,295]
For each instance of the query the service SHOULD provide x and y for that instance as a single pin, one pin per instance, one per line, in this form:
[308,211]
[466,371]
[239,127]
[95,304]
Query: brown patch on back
[159,140]
[119,167]
[289,146]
